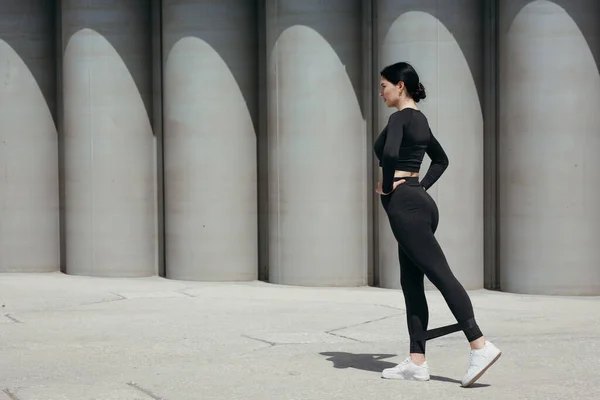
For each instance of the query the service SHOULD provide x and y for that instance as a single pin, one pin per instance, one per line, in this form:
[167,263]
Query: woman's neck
[406,103]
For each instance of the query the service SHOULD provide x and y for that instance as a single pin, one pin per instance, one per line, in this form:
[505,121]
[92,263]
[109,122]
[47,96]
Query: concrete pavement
[78,338]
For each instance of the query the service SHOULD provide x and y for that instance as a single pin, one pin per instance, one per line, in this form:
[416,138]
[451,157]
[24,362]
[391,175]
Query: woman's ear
[400,86]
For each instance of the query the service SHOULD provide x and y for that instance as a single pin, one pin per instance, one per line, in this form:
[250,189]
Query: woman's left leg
[417,312]
[414,367]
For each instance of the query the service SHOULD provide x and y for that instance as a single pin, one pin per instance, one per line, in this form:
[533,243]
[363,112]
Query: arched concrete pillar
[109,146]
[210,53]
[29,195]
[549,170]
[317,144]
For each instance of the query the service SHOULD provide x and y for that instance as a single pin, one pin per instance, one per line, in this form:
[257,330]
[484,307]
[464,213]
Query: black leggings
[414,217]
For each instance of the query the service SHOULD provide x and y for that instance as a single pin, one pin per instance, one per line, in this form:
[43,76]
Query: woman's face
[390,92]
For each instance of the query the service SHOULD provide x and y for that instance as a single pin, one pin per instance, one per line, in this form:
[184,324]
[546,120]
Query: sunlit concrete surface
[78,338]
[317,151]
[454,112]
[548,155]
[209,144]
[29,195]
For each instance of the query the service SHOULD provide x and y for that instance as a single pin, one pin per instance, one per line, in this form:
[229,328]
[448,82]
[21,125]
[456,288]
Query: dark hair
[405,72]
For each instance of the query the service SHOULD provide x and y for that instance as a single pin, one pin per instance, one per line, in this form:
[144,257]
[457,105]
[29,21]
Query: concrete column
[210,56]
[29,204]
[317,144]
[110,200]
[443,41]
[549,170]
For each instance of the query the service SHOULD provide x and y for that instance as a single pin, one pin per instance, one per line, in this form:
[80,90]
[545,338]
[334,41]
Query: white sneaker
[407,370]
[479,362]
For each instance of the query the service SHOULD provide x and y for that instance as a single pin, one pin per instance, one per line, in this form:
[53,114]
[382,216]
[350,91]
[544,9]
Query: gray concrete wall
[210,108]
[443,41]
[549,171]
[236,138]
[109,171]
[318,185]
[29,202]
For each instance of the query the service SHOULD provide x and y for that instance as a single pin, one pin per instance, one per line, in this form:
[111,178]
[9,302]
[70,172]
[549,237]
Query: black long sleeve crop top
[402,145]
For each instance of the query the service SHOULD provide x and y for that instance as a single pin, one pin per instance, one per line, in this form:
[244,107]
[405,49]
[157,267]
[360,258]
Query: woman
[413,216]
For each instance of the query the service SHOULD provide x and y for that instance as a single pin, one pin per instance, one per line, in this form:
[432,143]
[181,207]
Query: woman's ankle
[478,344]
[417,358]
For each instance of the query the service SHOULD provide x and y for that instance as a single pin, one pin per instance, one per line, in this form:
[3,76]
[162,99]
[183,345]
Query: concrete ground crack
[10,394]
[260,340]
[145,391]
[13,319]
[344,337]
[363,323]
[333,331]
[107,301]
[183,292]
[392,307]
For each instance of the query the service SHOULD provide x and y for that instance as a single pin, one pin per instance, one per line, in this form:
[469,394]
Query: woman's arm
[395,131]
[439,162]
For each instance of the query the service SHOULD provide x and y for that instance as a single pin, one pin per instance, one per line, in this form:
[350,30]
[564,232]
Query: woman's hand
[379,189]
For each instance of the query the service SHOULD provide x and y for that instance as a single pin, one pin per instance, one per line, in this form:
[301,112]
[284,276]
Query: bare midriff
[401,174]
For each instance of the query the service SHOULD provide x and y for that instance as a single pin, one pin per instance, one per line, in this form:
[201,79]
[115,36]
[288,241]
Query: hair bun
[419,93]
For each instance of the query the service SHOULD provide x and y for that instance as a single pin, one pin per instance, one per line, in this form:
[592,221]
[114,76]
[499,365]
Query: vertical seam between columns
[161,231]
[374,115]
[496,65]
[278,152]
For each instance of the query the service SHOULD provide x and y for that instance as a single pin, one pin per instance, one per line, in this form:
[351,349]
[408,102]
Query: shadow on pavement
[374,363]
[365,362]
